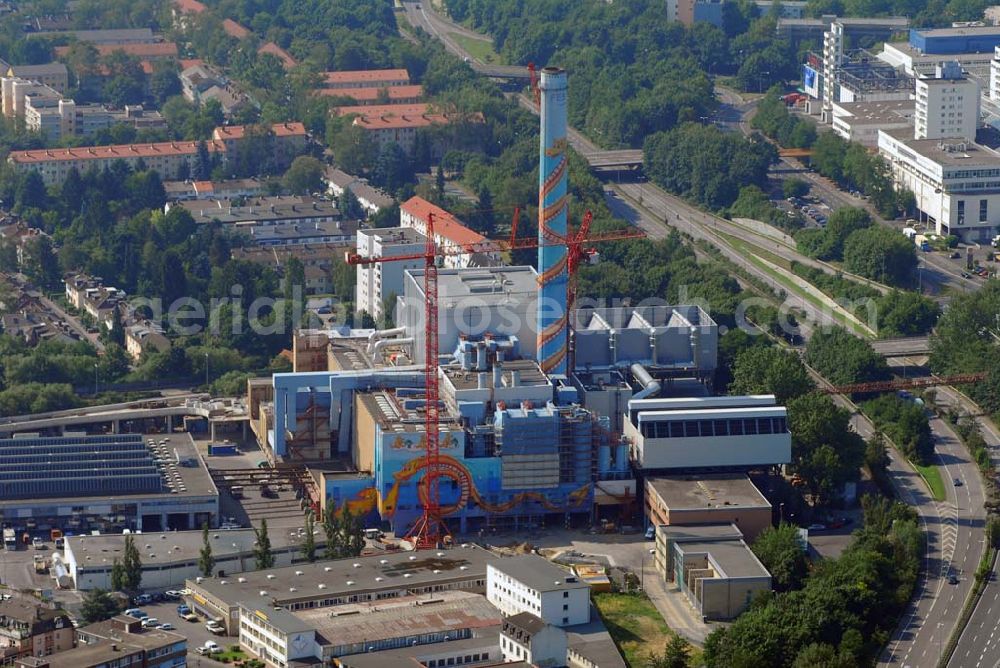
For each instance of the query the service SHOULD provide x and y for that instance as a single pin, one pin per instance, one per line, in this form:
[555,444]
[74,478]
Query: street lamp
[95,378]
[642,578]
[206,371]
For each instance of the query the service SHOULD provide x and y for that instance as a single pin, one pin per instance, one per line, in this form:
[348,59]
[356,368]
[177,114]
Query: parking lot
[195,632]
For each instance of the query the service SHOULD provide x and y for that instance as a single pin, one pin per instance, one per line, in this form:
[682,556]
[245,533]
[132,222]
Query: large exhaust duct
[650,386]
[553,178]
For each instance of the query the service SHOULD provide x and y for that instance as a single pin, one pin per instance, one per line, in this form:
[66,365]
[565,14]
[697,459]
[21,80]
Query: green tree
[304,176]
[439,183]
[41,264]
[770,370]
[206,561]
[117,575]
[826,453]
[334,534]
[31,192]
[843,358]
[309,542]
[675,654]
[97,606]
[779,549]
[904,313]
[877,460]
[202,169]
[881,254]
[392,169]
[131,566]
[794,188]
[350,206]
[262,554]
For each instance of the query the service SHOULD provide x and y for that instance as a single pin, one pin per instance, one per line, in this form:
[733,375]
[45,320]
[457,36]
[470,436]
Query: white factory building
[956,182]
[692,433]
[532,584]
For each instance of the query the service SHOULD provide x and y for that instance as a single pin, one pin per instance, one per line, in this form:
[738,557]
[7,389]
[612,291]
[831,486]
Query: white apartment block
[995,75]
[946,105]
[532,584]
[450,235]
[379,280]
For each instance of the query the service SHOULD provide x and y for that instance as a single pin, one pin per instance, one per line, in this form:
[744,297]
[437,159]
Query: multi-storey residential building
[31,628]
[51,74]
[366,78]
[369,95]
[449,234]
[288,140]
[376,282]
[54,164]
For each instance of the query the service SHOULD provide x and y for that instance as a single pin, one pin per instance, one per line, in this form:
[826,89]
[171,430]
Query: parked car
[149,622]
[955,255]
[143,599]
[201,650]
[37,544]
[215,627]
[172,594]
[212,646]
[137,613]
[966,274]
[166,626]
[650,533]
[817,527]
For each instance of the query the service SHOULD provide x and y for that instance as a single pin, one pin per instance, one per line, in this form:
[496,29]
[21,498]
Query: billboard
[810,81]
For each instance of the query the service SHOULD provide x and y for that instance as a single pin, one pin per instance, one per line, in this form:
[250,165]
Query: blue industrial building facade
[950,41]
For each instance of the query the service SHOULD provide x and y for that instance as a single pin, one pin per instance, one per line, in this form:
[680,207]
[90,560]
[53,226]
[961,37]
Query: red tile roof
[445,224]
[414,109]
[399,122]
[234,29]
[365,94]
[365,76]
[190,62]
[282,55]
[189,6]
[158,50]
[203,187]
[111,152]
[279,130]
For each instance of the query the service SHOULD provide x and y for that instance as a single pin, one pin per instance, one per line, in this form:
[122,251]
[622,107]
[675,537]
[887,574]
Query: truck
[9,539]
[996,241]
[56,536]
[41,564]
[922,242]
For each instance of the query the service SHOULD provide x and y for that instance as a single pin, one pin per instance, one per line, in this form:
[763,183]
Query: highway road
[979,644]
[955,546]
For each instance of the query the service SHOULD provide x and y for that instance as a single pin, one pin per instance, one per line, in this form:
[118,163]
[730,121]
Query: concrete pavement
[979,644]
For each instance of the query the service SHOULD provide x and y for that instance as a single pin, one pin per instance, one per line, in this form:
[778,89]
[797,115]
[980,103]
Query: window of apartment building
[961,212]
[983,210]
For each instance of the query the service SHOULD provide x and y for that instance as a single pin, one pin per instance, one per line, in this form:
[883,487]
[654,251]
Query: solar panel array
[81,465]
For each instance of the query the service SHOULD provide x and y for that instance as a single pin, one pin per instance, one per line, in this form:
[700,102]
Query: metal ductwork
[381,343]
[650,386]
[383,333]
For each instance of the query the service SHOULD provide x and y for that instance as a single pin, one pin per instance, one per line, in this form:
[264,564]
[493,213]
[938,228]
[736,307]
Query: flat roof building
[956,182]
[116,36]
[532,584]
[340,582]
[861,121]
[687,500]
[168,559]
[141,486]
[709,435]
[377,282]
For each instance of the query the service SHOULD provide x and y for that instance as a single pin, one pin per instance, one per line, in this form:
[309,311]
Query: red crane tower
[431,529]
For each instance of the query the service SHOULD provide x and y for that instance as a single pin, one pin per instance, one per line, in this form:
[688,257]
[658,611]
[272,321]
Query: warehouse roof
[538,573]
[172,546]
[401,617]
[334,578]
[731,558]
[690,492]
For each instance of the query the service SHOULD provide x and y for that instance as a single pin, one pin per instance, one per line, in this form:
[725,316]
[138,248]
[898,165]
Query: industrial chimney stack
[553,176]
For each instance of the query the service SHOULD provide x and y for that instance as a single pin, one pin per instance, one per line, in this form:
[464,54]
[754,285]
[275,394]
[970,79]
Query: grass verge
[932,476]
[637,627]
[480,49]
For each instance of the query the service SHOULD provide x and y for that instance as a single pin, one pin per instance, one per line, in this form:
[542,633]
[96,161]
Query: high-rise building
[947,105]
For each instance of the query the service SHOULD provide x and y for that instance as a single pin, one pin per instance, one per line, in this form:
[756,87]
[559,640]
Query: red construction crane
[430,529]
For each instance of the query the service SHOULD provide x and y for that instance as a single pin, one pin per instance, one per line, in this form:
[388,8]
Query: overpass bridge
[113,415]
[909,346]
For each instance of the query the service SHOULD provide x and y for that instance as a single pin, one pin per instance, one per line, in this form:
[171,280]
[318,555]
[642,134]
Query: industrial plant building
[106,482]
[170,558]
